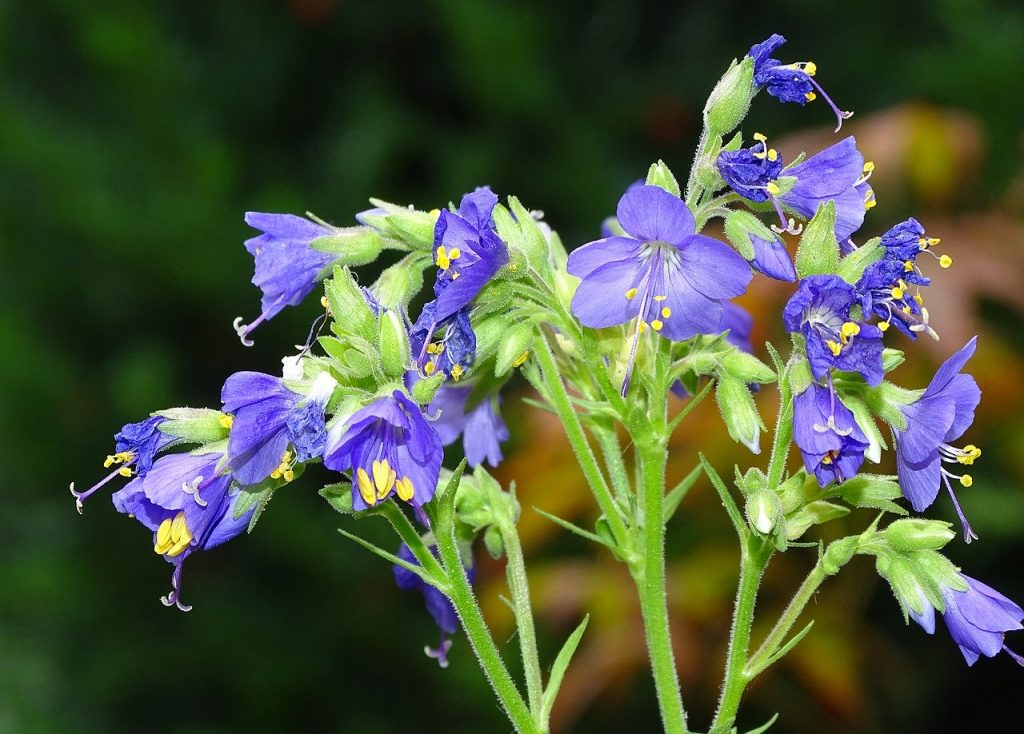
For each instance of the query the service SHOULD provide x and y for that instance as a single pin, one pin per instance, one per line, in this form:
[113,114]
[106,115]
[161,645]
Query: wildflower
[439,606]
[390,448]
[893,293]
[273,427]
[978,619]
[135,447]
[662,273]
[481,427]
[831,442]
[820,311]
[939,417]
[189,506]
[772,259]
[793,82]
[287,267]
[452,353]
[837,173]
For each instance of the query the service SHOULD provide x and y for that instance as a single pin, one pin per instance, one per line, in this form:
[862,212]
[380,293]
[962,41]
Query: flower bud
[914,534]
[393,343]
[747,367]
[753,481]
[353,245]
[659,175]
[730,99]
[764,510]
[838,554]
[425,389]
[514,348]
[348,305]
[198,425]
[398,284]
[739,412]
[494,543]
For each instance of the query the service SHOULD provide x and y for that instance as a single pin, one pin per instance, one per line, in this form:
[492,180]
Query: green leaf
[768,724]
[389,557]
[338,496]
[852,267]
[559,667]
[874,491]
[818,253]
[659,175]
[675,497]
[576,529]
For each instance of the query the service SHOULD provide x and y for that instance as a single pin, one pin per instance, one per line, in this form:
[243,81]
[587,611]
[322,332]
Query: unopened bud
[914,534]
[398,284]
[730,99]
[764,510]
[354,246]
[739,412]
[393,343]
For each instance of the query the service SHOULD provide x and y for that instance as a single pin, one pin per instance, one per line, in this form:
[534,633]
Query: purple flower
[792,82]
[977,619]
[831,442]
[662,273]
[267,419]
[439,606]
[772,258]
[891,290]
[446,346]
[390,448]
[481,427]
[468,252]
[820,310]
[135,447]
[287,268]
[939,417]
[188,505]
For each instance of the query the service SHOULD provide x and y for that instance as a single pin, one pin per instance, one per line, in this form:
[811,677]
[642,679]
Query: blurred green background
[134,135]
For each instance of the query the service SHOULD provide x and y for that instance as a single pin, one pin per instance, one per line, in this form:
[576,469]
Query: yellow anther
[869,166]
[521,359]
[435,348]
[284,469]
[383,477]
[810,96]
[896,292]
[125,471]
[226,421]
[512,268]
[657,325]
[932,241]
[659,299]
[442,259]
[834,347]
[453,254]
[827,459]
[869,199]
[457,372]
[847,330]
[945,261]
[109,462]
[919,299]
[883,326]
[773,188]
[631,294]
[760,137]
[456,274]
[922,242]
[173,536]
[773,155]
[908,266]
[429,368]
[906,309]
[810,68]
[970,453]
[643,326]
[967,480]
[435,213]
[365,487]
[405,489]
[325,303]
[666,312]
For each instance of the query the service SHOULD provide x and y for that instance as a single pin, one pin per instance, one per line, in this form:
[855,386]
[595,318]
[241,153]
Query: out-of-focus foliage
[134,135]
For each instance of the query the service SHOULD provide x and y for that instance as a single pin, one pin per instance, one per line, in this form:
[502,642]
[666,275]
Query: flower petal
[600,299]
[588,258]
[650,213]
[713,268]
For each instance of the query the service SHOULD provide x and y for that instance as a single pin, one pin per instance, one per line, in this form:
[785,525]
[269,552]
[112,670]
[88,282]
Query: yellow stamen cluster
[173,536]
[456,372]
[967,480]
[226,421]
[445,256]
[847,331]
[834,347]
[969,455]
[925,242]
[429,368]
[375,486]
[122,457]
[285,469]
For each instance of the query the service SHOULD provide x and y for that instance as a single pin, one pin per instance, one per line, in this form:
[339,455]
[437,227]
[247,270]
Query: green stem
[580,445]
[611,450]
[763,657]
[461,594]
[753,561]
[649,575]
[519,588]
[783,433]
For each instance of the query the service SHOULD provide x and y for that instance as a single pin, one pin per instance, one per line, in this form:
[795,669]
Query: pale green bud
[659,175]
[353,245]
[730,99]
[914,534]
[393,343]
[399,284]
[838,554]
[739,412]
[493,542]
[348,306]
[747,367]
[195,425]
[764,511]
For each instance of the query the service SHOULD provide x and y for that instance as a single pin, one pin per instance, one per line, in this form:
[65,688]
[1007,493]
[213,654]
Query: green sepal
[354,246]
[659,175]
[195,425]
[740,225]
[408,225]
[398,284]
[892,358]
[351,313]
[747,367]
[852,267]
[886,401]
[813,513]
[818,252]
[873,491]
[730,100]
[339,496]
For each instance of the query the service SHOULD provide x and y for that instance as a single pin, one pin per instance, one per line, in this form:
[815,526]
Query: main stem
[519,588]
[754,558]
[649,575]
[461,594]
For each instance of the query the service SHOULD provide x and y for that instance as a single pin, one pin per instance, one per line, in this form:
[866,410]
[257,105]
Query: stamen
[969,533]
[226,421]
[945,261]
[666,312]
[456,372]
[631,294]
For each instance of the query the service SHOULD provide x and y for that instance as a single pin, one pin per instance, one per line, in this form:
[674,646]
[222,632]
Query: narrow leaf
[560,666]
[679,492]
[573,528]
[727,501]
[389,557]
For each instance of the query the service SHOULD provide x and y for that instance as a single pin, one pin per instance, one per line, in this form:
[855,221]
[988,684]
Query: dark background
[134,135]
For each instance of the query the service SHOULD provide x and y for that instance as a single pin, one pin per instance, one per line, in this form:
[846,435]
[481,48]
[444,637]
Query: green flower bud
[764,511]
[393,343]
[400,283]
[747,367]
[494,543]
[514,349]
[739,412]
[348,306]
[195,425]
[425,390]
[353,245]
[838,554]
[730,99]
[914,534]
[659,175]
[753,481]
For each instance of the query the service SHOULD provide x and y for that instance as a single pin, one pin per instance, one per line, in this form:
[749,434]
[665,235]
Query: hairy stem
[763,657]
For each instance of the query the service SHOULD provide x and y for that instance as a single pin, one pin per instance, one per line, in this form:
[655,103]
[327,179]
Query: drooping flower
[439,606]
[793,82]
[820,311]
[837,173]
[390,448]
[287,268]
[831,442]
[892,291]
[273,427]
[452,346]
[481,427]
[939,417]
[772,258]
[135,448]
[978,619]
[662,273]
[189,505]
